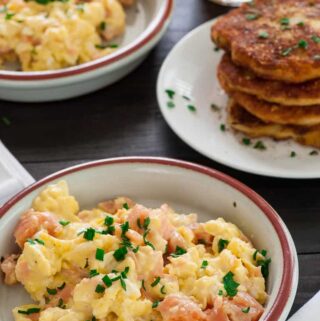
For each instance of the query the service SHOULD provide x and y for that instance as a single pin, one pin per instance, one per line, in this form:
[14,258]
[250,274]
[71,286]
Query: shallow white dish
[187,188]
[190,70]
[146,23]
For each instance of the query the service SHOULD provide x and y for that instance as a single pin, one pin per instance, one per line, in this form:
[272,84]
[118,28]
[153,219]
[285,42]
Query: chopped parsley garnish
[109,230]
[192,108]
[216,49]
[246,310]
[125,206]
[246,141]
[285,21]
[108,220]
[263,35]
[316,39]
[204,264]
[146,242]
[234,204]
[314,153]
[300,24]
[93,273]
[260,145]
[39,241]
[104,46]
[146,223]
[252,16]
[136,249]
[162,290]
[222,244]
[170,104]
[107,281]
[102,25]
[293,154]
[179,251]
[303,44]
[156,281]
[113,45]
[139,223]
[186,98]
[52,291]
[100,288]
[264,267]
[120,253]
[123,284]
[89,234]
[142,285]
[220,293]
[262,252]
[99,254]
[61,304]
[9,15]
[155,304]
[230,285]
[116,278]
[31,241]
[80,7]
[170,93]
[62,286]
[64,223]
[29,311]
[286,52]
[223,127]
[215,107]
[6,120]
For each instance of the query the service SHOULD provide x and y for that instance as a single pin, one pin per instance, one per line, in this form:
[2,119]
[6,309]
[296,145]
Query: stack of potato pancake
[271,68]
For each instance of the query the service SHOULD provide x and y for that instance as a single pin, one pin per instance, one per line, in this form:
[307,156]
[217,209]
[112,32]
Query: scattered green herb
[314,153]
[170,93]
[316,39]
[260,145]
[246,141]
[102,25]
[99,254]
[29,311]
[246,310]
[263,35]
[220,293]
[39,241]
[89,234]
[120,253]
[64,223]
[252,16]
[215,107]
[286,52]
[62,286]
[93,273]
[107,281]
[192,108]
[108,220]
[222,244]
[156,281]
[155,304]
[285,21]
[179,251]
[123,284]
[170,104]
[52,291]
[264,267]
[125,206]
[142,285]
[300,24]
[204,264]
[162,290]
[6,120]
[186,98]
[9,15]
[61,304]
[223,127]
[303,44]
[230,285]
[293,154]
[100,288]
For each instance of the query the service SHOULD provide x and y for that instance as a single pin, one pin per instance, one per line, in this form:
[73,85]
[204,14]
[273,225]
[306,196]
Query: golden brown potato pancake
[275,113]
[276,39]
[240,120]
[235,78]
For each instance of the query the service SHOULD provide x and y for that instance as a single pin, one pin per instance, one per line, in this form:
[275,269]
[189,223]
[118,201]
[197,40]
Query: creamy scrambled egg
[123,261]
[54,34]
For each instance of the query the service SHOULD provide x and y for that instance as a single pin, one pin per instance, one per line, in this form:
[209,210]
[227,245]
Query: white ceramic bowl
[188,188]
[146,24]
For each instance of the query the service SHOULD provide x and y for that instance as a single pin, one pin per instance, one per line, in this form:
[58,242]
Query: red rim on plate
[288,260]
[105,61]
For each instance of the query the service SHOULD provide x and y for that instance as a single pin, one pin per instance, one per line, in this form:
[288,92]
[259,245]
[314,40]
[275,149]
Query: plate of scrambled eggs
[124,260]
[57,49]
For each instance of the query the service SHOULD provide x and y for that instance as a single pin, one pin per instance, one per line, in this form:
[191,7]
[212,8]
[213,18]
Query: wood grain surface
[124,120]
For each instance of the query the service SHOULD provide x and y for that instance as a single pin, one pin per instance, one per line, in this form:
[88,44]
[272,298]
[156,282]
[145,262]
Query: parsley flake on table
[192,108]
[260,145]
[170,104]
[293,154]
[223,127]
[246,141]
[314,153]
[230,285]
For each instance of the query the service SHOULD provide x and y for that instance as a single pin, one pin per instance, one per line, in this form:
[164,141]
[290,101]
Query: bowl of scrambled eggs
[57,49]
[144,239]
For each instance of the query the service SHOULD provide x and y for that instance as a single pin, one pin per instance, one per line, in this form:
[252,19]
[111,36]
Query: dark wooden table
[124,120]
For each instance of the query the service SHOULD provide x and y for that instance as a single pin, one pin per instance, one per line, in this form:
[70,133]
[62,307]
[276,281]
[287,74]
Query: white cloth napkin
[13,177]
[310,311]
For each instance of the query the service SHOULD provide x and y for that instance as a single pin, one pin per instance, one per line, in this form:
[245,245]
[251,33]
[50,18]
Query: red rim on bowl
[105,61]
[288,260]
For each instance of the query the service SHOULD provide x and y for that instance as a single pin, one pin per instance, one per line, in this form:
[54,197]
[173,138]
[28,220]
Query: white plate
[190,70]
